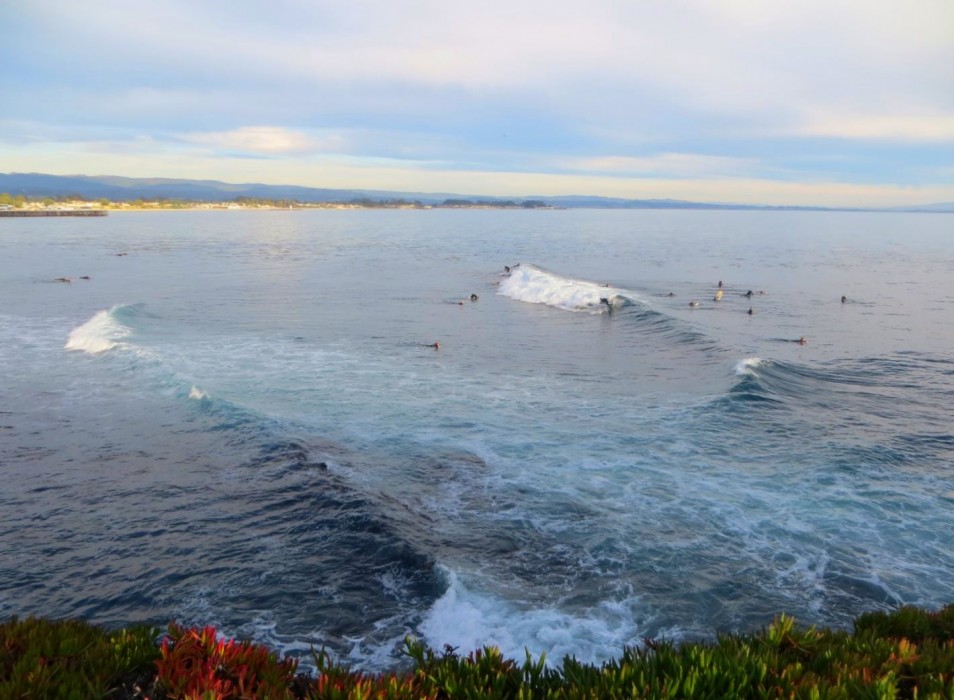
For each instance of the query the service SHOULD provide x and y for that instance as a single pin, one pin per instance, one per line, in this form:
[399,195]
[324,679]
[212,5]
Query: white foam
[99,334]
[531,284]
[746,366]
[469,620]
[197,394]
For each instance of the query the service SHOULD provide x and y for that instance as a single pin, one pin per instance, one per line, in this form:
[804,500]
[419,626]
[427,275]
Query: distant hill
[593,202]
[127,189]
[943,207]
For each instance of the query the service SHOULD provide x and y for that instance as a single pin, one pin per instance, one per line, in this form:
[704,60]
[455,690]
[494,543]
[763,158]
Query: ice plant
[196,663]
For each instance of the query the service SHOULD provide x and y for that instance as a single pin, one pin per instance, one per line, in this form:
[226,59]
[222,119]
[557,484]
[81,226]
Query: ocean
[238,420]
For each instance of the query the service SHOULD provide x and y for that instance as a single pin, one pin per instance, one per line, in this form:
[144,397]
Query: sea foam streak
[531,284]
[99,334]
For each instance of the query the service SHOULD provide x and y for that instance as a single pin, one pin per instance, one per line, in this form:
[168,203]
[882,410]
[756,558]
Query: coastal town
[76,205]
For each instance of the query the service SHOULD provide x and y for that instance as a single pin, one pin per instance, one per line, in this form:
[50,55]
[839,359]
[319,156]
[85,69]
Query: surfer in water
[474,297]
[436,345]
[802,341]
[693,304]
[844,299]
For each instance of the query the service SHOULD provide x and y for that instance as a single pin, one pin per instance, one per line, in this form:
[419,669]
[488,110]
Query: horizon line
[609,202]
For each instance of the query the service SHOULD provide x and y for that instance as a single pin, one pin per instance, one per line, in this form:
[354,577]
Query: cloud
[152,159]
[888,127]
[264,140]
[732,56]
[683,165]
[611,92]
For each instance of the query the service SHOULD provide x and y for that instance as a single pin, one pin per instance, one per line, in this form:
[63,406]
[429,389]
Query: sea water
[238,420]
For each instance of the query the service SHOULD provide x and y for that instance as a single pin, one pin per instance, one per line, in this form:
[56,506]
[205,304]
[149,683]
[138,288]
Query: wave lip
[99,334]
[747,366]
[533,285]
[197,394]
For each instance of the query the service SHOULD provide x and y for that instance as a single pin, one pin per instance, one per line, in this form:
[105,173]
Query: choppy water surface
[236,421]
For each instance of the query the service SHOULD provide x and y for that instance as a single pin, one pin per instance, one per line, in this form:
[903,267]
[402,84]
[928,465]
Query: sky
[779,102]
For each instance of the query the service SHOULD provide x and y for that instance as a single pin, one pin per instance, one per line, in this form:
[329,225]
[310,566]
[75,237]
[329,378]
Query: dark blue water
[237,421]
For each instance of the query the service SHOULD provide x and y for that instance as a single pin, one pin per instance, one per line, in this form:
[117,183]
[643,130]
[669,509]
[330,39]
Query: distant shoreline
[100,208]
[13,213]
[78,209]
[17,188]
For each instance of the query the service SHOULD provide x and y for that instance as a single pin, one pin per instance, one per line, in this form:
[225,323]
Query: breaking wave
[531,284]
[99,334]
[534,285]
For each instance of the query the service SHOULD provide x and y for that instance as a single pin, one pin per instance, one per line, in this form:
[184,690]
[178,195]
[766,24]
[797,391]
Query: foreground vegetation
[905,654]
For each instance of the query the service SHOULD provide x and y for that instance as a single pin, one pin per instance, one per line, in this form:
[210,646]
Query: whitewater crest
[101,333]
[197,394]
[466,619]
[747,366]
[533,285]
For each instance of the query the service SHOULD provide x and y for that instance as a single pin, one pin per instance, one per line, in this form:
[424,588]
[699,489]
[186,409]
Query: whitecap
[99,334]
[535,286]
[470,620]
[746,366]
